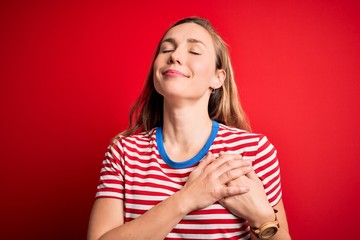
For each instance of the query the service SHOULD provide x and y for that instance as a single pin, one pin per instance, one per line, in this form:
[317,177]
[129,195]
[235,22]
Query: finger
[232,191]
[222,153]
[252,175]
[224,159]
[209,158]
[233,174]
[240,181]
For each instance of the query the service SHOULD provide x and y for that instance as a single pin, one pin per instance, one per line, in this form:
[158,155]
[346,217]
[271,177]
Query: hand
[253,205]
[208,183]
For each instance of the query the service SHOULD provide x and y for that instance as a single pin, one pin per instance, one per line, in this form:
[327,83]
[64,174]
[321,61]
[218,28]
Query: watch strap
[264,231]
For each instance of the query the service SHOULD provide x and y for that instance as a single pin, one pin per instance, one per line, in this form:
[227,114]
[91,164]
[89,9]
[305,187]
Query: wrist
[267,229]
[262,216]
[183,202]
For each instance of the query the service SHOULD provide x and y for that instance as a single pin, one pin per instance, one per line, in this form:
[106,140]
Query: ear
[219,79]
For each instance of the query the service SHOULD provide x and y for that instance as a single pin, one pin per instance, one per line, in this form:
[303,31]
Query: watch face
[268,232]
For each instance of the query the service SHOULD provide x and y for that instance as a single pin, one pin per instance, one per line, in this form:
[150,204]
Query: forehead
[186,31]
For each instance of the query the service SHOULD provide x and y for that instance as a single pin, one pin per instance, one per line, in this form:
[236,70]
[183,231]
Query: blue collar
[192,161]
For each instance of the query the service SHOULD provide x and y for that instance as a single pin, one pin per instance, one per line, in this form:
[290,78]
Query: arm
[107,220]
[283,232]
[206,185]
[254,206]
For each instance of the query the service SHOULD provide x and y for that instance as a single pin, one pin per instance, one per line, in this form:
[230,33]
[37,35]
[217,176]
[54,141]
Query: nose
[175,57]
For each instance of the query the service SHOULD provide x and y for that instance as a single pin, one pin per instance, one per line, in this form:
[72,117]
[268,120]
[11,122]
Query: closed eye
[194,53]
[167,50]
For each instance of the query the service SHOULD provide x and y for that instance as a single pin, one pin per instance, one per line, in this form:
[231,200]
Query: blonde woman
[188,166]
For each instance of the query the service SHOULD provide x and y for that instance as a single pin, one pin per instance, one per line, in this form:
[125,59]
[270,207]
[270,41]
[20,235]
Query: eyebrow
[189,40]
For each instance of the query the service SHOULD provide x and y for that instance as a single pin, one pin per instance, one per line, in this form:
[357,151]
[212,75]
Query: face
[185,66]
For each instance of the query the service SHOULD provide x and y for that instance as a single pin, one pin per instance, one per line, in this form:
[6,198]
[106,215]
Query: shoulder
[120,145]
[138,139]
[229,131]
[252,143]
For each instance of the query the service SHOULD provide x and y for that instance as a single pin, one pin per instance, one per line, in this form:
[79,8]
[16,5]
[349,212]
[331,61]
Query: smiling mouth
[174,73]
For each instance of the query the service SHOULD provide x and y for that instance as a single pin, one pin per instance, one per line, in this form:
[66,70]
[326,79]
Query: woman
[188,167]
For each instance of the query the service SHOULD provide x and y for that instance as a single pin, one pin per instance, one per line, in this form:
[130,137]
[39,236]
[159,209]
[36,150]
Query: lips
[174,73]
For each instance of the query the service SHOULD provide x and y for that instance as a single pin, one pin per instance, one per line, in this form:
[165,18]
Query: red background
[70,72]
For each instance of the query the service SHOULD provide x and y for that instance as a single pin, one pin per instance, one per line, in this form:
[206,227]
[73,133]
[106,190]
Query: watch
[266,230]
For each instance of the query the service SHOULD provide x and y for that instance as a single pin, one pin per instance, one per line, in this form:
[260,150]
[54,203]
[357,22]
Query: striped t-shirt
[137,170]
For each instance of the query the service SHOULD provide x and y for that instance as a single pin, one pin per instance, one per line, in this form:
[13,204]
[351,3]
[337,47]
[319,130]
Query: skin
[185,74]
[186,95]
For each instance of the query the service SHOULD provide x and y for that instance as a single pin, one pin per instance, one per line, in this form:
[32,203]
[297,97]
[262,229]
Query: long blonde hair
[224,104]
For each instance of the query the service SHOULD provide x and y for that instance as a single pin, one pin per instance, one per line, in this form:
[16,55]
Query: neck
[185,130]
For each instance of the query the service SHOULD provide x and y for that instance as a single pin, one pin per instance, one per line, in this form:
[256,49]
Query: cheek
[157,85]
[156,64]
[156,76]
[156,67]
[203,70]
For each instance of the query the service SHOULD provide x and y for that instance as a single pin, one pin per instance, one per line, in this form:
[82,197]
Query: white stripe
[113,151]
[107,169]
[273,203]
[145,197]
[209,216]
[271,177]
[112,164]
[147,207]
[215,206]
[110,185]
[235,131]
[265,161]
[269,168]
[230,138]
[110,177]
[135,163]
[205,236]
[233,145]
[276,191]
[139,144]
[274,184]
[107,154]
[265,151]
[138,206]
[140,156]
[155,164]
[109,194]
[146,179]
[196,217]
[150,189]
[207,226]
[179,170]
